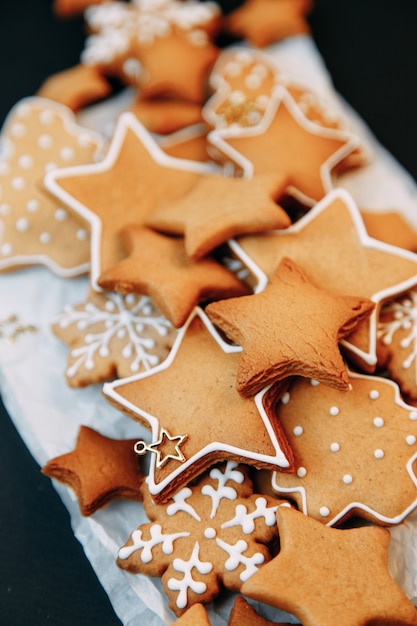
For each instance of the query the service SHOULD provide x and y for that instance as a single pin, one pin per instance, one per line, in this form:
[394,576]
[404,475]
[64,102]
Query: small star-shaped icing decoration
[264,22]
[161,448]
[99,470]
[134,177]
[219,208]
[290,328]
[159,267]
[332,246]
[39,136]
[321,572]
[193,392]
[355,451]
[112,336]
[286,141]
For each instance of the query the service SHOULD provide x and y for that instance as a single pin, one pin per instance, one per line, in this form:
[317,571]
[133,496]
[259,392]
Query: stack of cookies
[257,323]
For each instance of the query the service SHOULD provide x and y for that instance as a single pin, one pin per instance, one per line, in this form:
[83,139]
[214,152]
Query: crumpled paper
[47,413]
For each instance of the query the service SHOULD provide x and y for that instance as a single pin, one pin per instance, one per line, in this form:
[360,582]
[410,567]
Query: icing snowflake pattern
[228,529]
[129,329]
[403,316]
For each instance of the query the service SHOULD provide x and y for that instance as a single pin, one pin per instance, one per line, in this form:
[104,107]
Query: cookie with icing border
[164,48]
[319,570]
[195,414]
[213,534]
[365,267]
[290,328]
[264,22]
[112,336]
[397,342]
[158,266]
[355,451]
[40,136]
[99,470]
[286,141]
[132,179]
[188,143]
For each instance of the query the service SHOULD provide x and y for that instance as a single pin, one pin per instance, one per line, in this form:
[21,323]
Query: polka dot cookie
[35,229]
[354,451]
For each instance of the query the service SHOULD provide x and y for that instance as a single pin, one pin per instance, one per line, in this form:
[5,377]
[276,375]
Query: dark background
[370,49]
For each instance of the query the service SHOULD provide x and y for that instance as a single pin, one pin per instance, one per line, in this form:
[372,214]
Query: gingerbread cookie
[212,534]
[243,614]
[354,451]
[195,414]
[175,282]
[366,267]
[391,227]
[290,328]
[134,177]
[112,336]
[320,573]
[99,470]
[40,136]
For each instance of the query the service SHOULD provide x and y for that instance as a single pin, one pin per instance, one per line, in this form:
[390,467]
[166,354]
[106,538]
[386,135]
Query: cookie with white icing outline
[41,136]
[212,534]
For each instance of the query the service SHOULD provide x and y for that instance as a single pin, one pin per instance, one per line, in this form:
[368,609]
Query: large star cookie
[111,336]
[99,470]
[320,573]
[134,177]
[195,414]
[39,136]
[158,266]
[291,328]
[210,535]
[332,247]
[355,451]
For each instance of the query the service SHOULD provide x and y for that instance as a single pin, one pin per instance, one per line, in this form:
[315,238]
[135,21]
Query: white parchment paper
[47,413]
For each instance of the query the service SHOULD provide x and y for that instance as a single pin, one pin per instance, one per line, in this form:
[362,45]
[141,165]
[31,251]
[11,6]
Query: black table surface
[370,49]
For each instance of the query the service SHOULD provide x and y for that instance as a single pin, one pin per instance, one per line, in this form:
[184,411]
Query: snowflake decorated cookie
[212,534]
[40,136]
[111,335]
[355,451]
[397,342]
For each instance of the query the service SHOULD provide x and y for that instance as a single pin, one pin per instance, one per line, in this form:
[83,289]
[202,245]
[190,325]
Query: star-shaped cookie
[264,22]
[133,178]
[39,136]
[332,246]
[355,451]
[99,470]
[326,576]
[286,141]
[290,328]
[159,267]
[218,208]
[193,393]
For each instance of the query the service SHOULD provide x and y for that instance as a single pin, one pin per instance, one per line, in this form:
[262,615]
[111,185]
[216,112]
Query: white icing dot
[18,183]
[49,167]
[46,117]
[18,130]
[60,215]
[379,454]
[335,447]
[324,511]
[314,382]
[6,249]
[23,110]
[130,298]
[334,410]
[413,416]
[301,472]
[374,394]
[210,533]
[132,68]
[45,237]
[22,224]
[25,161]
[110,306]
[347,479]
[298,430]
[82,234]
[262,101]
[4,209]
[32,205]
[411,439]
[83,140]
[232,69]
[45,141]
[286,398]
[378,422]
[4,169]
[67,153]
